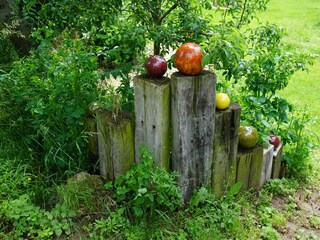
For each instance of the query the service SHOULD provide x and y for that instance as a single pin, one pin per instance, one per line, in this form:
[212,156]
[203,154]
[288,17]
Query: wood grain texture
[266,164]
[225,148]
[249,167]
[90,125]
[116,143]
[193,116]
[243,168]
[152,118]
[256,167]
[277,159]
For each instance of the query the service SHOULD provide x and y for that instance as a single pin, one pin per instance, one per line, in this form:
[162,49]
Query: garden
[64,60]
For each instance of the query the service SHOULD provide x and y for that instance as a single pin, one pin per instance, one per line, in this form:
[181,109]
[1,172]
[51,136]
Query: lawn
[302,24]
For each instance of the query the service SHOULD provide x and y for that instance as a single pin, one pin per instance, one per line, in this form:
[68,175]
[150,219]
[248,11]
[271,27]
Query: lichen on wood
[116,143]
[225,148]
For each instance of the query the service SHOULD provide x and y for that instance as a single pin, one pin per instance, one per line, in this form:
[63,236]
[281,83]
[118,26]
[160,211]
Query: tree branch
[242,13]
[168,12]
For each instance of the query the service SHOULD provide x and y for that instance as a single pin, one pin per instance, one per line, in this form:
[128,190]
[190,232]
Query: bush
[146,190]
[299,144]
[44,99]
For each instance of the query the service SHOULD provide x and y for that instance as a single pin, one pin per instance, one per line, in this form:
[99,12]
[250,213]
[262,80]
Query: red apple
[188,59]
[274,140]
[156,66]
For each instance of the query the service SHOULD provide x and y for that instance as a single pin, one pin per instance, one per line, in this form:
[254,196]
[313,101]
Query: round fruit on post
[248,136]
[222,101]
[188,59]
[156,66]
[274,140]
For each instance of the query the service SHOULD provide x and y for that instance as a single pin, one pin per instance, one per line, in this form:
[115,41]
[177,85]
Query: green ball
[248,136]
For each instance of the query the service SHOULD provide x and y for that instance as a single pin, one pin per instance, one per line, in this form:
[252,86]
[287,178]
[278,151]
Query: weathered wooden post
[267,164]
[249,167]
[225,148]
[116,143]
[192,117]
[90,125]
[152,118]
[277,159]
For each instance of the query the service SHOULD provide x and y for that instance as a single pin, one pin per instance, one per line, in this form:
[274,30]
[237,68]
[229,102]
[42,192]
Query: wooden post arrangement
[266,164]
[249,167]
[116,143]
[177,120]
[277,158]
[152,118]
[192,117]
[225,148]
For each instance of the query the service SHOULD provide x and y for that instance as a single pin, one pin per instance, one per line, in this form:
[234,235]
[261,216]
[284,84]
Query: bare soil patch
[303,214]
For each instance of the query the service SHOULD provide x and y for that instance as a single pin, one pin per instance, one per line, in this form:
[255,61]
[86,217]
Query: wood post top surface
[157,81]
[204,72]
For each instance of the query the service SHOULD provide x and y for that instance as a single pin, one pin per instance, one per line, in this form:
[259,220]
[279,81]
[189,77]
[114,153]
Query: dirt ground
[303,214]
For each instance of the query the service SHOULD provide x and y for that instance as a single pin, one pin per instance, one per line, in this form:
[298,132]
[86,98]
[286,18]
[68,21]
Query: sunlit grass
[301,20]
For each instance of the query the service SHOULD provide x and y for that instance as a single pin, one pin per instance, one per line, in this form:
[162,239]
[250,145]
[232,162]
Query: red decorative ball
[156,66]
[188,59]
[274,140]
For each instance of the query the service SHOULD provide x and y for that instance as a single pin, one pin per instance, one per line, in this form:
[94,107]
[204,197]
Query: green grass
[301,20]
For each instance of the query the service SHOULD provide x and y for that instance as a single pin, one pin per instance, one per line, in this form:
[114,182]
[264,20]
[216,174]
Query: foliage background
[45,95]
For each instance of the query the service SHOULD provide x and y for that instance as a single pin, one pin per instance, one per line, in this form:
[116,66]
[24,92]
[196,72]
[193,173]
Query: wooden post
[193,116]
[90,125]
[267,164]
[116,143]
[277,159]
[152,118]
[225,148]
[249,167]
[256,167]
[243,168]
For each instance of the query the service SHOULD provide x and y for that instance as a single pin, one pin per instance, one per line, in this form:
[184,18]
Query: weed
[15,178]
[268,233]
[315,221]
[298,146]
[26,220]
[290,206]
[282,186]
[145,189]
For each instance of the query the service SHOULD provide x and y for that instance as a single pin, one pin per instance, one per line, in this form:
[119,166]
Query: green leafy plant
[281,187]
[242,12]
[51,89]
[144,189]
[115,224]
[29,221]
[15,178]
[299,144]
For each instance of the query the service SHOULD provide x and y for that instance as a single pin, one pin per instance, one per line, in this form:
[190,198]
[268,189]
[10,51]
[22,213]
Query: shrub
[145,190]
[44,100]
